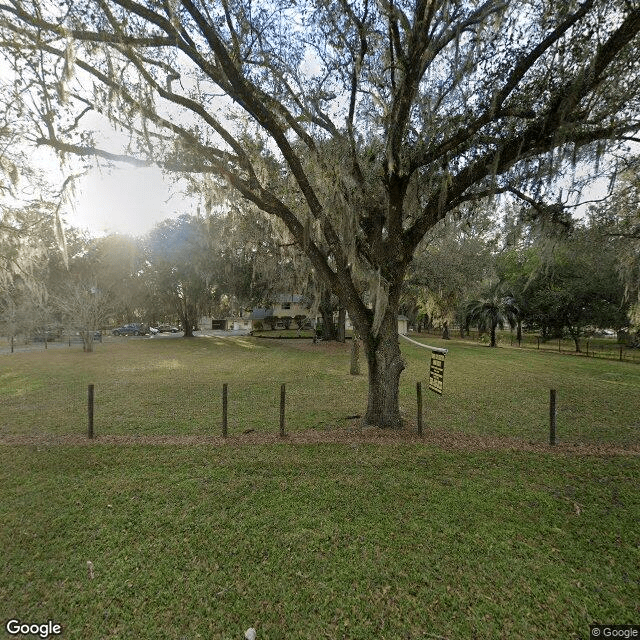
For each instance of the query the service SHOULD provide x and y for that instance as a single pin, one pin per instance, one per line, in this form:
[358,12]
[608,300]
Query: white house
[231,323]
[403,324]
[286,307]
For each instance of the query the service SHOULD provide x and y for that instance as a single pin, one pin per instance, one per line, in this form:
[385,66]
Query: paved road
[20,347]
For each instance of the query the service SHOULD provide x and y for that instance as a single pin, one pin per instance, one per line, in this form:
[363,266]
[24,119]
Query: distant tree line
[532,271]
[563,278]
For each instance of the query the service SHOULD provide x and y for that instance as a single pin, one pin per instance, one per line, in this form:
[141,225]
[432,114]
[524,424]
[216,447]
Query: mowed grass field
[317,541]
[173,386]
[398,540]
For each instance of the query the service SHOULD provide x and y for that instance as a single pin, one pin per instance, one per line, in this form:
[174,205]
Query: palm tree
[492,311]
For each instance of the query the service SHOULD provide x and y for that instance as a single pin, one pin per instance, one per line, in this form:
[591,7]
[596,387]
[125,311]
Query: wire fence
[135,408]
[150,408]
[137,397]
[604,348]
[18,344]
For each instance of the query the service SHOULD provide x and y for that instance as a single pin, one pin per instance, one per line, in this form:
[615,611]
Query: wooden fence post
[90,410]
[620,354]
[552,417]
[419,396]
[224,410]
[282,401]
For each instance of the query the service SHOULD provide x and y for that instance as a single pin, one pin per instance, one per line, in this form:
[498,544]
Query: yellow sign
[436,372]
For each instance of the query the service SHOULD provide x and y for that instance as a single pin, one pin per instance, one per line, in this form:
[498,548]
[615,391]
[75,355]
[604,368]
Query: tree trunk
[493,334]
[385,365]
[326,309]
[342,316]
[355,356]
[87,341]
[188,327]
[187,320]
[576,339]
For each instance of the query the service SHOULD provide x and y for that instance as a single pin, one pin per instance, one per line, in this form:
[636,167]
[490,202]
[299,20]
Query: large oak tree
[358,124]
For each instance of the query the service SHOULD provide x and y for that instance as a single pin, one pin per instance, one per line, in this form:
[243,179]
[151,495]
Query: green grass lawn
[173,386]
[506,392]
[324,541]
[378,541]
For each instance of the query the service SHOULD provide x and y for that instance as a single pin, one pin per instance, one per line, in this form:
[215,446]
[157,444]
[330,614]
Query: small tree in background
[492,311]
[180,271]
[84,308]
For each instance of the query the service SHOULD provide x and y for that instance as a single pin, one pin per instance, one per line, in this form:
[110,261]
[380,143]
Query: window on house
[286,305]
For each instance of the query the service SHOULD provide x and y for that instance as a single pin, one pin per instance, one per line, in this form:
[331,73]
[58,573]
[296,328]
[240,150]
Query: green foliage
[492,311]
[27,248]
[577,287]
[453,261]
[618,220]
[180,272]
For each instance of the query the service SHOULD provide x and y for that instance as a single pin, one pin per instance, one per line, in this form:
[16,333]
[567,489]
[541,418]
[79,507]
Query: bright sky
[125,200]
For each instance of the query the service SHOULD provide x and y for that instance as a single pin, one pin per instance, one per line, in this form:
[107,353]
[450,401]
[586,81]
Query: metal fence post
[282,402]
[419,397]
[552,417]
[224,410]
[90,410]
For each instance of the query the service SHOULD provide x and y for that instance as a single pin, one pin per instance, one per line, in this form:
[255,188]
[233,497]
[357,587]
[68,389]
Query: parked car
[133,329]
[168,328]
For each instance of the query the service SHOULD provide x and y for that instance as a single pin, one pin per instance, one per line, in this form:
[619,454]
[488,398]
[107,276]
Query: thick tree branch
[539,137]
[495,110]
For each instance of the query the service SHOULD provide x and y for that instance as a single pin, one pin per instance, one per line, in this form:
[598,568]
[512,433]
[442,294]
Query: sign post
[436,371]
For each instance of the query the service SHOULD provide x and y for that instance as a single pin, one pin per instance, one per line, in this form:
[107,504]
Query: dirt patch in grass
[354,435]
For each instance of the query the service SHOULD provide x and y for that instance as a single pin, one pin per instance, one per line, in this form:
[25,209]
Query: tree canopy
[359,125]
